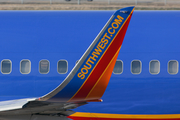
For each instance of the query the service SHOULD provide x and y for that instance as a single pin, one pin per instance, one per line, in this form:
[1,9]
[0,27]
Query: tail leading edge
[89,78]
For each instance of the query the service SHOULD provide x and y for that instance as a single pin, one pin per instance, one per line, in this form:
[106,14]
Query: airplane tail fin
[89,78]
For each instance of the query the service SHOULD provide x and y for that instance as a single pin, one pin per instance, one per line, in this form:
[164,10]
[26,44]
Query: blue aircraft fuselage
[65,35]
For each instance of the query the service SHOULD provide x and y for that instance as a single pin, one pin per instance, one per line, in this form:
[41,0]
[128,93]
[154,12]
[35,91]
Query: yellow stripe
[99,115]
[101,57]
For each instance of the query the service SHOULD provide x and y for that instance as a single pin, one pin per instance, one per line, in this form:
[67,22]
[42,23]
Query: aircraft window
[118,68]
[173,67]
[154,67]
[44,66]
[6,66]
[136,66]
[62,66]
[25,66]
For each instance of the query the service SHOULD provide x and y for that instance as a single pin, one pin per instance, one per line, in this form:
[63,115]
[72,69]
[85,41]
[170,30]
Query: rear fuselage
[152,36]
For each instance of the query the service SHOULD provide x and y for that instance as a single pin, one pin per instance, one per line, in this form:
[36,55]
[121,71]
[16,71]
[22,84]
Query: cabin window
[136,66]
[118,68]
[25,66]
[62,66]
[44,66]
[173,67]
[154,67]
[6,66]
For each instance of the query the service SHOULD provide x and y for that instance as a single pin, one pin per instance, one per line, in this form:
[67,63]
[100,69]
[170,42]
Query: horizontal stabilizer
[14,104]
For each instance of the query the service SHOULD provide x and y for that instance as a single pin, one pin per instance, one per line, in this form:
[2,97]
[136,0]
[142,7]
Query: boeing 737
[52,69]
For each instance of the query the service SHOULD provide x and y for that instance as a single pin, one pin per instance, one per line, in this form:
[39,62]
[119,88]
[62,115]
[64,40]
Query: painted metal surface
[95,116]
[95,61]
[55,35]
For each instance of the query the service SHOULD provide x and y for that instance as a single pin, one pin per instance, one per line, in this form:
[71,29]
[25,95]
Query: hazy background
[88,4]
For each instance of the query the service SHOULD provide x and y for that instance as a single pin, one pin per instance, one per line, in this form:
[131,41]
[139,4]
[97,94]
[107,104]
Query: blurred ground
[58,6]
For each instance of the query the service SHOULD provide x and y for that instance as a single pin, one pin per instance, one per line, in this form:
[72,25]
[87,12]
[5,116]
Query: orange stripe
[103,81]
[127,116]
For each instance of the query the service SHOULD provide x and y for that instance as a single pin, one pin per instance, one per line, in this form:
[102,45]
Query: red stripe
[101,66]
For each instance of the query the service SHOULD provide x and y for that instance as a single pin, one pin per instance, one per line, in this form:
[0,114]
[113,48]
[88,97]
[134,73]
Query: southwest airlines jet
[51,69]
